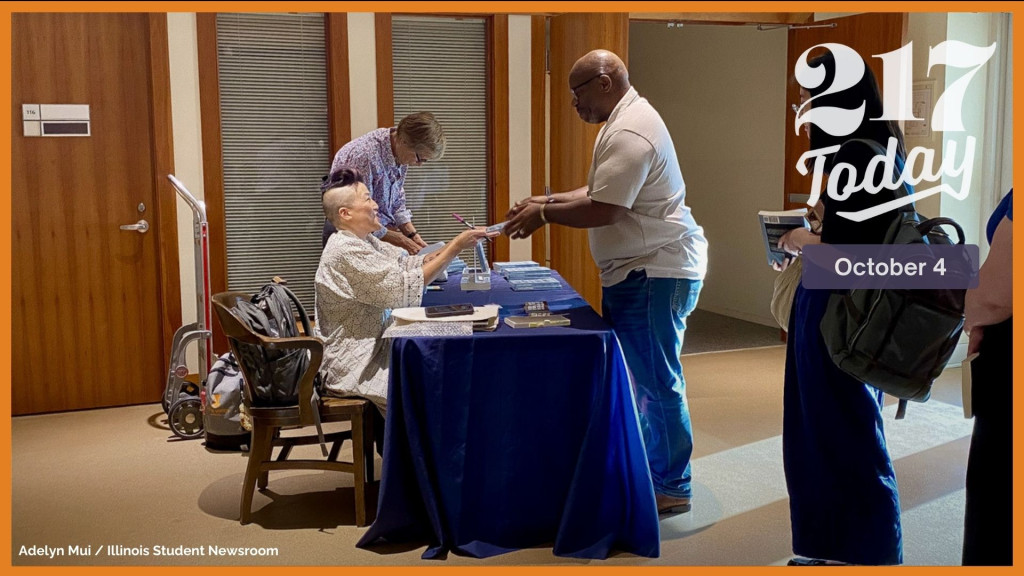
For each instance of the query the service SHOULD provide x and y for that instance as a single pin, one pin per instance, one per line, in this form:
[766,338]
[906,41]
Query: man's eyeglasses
[582,84]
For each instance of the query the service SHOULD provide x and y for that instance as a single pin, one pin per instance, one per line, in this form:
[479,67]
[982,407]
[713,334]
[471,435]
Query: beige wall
[362,73]
[722,91]
[188,151]
[926,30]
[972,212]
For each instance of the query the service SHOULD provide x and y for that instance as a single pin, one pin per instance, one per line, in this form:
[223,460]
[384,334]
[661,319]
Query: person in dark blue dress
[844,503]
[988,525]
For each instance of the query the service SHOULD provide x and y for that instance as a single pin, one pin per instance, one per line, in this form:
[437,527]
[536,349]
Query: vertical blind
[440,66]
[274,133]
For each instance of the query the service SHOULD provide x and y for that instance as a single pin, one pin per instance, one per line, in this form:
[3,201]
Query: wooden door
[572,140]
[868,34]
[91,307]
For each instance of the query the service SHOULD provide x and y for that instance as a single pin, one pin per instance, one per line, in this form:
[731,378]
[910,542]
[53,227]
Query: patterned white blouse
[357,283]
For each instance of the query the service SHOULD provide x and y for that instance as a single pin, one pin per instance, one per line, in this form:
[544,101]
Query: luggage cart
[182,401]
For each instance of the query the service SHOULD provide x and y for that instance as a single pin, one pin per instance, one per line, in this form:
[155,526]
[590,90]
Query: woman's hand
[785,264]
[793,242]
[468,238]
[974,339]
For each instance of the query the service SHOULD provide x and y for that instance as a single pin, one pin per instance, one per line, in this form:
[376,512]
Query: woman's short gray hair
[423,133]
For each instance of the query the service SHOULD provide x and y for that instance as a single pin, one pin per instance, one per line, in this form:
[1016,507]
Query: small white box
[30,112]
[64,111]
[31,128]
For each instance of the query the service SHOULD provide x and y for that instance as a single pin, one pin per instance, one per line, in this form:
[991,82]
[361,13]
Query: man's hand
[518,206]
[399,239]
[525,219]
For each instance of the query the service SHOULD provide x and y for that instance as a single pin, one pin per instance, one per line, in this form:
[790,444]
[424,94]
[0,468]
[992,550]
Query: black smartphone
[448,310]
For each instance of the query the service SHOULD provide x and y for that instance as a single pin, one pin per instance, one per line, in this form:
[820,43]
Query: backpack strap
[901,410]
[925,227]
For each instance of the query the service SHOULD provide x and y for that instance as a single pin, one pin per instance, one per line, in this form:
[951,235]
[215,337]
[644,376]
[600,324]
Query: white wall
[973,29]
[722,93]
[519,87]
[187,133]
[362,73]
[925,31]
[188,152]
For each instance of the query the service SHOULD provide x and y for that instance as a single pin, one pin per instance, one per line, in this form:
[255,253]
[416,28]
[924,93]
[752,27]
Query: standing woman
[383,157]
[988,321]
[844,505]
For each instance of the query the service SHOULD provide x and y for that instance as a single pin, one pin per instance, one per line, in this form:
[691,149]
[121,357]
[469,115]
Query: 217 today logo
[897,69]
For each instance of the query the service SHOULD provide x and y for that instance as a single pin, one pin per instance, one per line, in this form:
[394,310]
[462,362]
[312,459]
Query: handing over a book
[774,225]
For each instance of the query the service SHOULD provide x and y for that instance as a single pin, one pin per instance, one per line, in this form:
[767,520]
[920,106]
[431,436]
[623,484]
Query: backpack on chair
[270,313]
[897,340]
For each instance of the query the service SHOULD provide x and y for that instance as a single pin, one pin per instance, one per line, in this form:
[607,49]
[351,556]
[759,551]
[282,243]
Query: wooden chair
[267,422]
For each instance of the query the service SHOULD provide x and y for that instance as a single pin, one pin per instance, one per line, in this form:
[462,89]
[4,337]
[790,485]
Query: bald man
[651,252]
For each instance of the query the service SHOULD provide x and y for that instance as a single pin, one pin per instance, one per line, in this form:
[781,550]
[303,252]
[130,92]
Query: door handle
[141,227]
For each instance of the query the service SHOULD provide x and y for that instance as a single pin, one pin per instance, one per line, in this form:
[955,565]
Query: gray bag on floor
[222,404]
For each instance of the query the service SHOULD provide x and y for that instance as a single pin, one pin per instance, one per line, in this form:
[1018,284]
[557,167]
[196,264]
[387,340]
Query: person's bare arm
[434,263]
[992,301]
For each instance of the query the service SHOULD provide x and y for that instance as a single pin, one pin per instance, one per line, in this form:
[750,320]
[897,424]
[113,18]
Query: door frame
[162,150]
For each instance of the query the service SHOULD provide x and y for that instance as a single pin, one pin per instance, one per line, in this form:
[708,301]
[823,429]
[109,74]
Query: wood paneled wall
[572,140]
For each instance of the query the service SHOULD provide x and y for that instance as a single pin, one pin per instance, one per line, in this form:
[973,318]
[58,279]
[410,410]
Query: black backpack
[897,340]
[276,372]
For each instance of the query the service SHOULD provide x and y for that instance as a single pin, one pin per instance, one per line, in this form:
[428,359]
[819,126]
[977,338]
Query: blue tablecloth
[515,438]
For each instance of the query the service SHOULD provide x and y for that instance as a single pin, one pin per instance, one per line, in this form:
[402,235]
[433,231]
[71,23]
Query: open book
[774,225]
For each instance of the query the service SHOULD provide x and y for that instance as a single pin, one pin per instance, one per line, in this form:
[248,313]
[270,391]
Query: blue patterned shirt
[371,154]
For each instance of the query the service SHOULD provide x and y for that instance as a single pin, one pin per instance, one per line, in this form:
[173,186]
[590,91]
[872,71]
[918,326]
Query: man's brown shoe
[671,504]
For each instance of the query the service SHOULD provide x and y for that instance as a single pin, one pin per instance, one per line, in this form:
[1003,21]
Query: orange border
[500,7]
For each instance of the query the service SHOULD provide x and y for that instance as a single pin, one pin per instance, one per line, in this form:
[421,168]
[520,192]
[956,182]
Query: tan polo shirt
[635,166]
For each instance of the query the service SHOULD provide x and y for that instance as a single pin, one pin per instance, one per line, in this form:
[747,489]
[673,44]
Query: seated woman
[359,279]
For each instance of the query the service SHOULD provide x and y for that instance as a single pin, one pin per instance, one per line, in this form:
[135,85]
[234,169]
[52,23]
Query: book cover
[967,385]
[774,225]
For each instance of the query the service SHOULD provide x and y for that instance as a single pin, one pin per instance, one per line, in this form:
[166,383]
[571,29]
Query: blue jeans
[649,318]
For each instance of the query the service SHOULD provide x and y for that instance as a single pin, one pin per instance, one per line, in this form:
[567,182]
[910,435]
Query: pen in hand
[468,225]
[460,219]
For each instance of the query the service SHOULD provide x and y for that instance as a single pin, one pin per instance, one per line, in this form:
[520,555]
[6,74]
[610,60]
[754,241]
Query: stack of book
[500,267]
[511,274]
[548,283]
[527,276]
[523,276]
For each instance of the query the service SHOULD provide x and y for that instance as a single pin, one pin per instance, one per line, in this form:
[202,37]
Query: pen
[468,225]
[460,219]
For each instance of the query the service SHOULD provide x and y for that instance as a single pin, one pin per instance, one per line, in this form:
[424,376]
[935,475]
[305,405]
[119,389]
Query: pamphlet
[966,385]
[774,225]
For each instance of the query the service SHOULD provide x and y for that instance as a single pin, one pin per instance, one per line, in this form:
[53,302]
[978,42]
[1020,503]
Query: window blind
[275,144]
[440,66]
